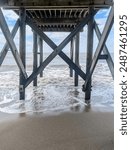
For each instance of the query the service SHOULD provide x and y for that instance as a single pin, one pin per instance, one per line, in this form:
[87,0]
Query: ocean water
[55,91]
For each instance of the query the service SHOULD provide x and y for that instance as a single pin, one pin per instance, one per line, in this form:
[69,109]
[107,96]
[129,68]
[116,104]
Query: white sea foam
[55,91]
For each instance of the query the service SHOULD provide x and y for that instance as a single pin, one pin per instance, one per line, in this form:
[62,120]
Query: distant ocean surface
[55,91]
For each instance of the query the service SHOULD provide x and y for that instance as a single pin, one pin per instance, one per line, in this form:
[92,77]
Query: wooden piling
[35,61]
[77,40]
[89,52]
[71,55]
[41,53]
[22,50]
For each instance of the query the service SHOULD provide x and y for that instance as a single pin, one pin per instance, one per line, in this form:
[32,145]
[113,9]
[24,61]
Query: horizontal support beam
[59,21]
[6,46]
[52,29]
[96,7]
[54,3]
[103,56]
[9,39]
[105,51]
[100,46]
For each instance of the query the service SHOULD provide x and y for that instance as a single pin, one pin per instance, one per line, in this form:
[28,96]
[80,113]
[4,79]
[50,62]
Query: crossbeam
[105,51]
[100,46]
[54,46]
[6,46]
[8,37]
[103,56]
[56,49]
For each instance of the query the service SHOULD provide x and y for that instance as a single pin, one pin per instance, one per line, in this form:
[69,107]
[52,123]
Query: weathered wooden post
[77,40]
[35,61]
[22,50]
[89,52]
[71,55]
[41,53]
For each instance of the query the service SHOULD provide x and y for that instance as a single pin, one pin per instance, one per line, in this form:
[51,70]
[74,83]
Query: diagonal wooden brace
[56,49]
[6,46]
[100,46]
[105,51]
[54,46]
[9,39]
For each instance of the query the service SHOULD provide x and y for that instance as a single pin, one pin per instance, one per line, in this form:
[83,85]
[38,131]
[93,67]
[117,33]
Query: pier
[57,16]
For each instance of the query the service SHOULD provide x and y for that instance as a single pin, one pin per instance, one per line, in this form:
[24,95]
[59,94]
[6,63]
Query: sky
[58,37]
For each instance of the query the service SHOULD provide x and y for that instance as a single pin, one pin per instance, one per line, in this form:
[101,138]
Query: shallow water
[55,91]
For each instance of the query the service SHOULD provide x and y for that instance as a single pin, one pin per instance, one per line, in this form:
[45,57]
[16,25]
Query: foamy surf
[55,91]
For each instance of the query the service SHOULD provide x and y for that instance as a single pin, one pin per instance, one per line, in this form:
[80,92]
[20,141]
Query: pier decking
[57,16]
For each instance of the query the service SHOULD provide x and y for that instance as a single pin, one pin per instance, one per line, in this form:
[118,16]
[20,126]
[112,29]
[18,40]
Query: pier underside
[57,16]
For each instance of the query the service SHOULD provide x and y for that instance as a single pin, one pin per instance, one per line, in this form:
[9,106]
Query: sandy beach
[67,131]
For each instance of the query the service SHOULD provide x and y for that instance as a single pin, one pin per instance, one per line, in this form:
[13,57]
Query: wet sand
[67,131]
